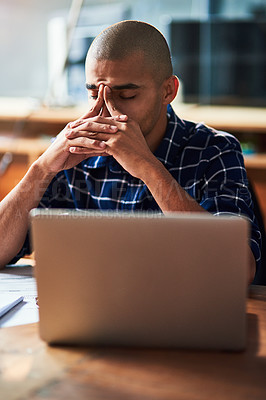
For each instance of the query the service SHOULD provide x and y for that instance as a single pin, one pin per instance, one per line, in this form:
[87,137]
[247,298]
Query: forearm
[167,192]
[15,208]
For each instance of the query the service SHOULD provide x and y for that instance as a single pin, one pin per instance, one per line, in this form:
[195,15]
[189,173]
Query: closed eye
[93,94]
[127,97]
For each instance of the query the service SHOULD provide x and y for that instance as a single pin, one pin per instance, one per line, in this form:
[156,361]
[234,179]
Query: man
[130,151]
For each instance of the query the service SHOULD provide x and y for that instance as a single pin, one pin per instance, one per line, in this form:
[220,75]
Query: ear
[171,86]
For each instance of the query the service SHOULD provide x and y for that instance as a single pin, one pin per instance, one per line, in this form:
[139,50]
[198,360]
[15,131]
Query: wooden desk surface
[32,370]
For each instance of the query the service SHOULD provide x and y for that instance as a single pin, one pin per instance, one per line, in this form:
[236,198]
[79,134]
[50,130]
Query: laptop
[142,280]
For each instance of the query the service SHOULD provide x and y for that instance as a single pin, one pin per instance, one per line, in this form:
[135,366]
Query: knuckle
[98,118]
[77,122]
[69,126]
[92,107]
[70,132]
[88,125]
[92,134]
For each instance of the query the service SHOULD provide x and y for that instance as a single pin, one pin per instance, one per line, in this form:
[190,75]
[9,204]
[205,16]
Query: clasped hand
[96,135]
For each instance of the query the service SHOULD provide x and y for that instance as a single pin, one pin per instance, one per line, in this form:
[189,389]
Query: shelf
[231,119]
[256,161]
[23,146]
[32,148]
[227,118]
[28,110]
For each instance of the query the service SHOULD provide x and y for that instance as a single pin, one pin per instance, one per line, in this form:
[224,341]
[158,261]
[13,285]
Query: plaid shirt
[208,164]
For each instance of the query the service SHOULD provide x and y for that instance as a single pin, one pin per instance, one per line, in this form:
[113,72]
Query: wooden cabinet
[16,155]
[25,133]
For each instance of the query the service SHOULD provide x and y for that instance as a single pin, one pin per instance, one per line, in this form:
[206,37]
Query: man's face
[135,91]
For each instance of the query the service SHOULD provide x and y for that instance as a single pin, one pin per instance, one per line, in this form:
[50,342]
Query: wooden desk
[31,370]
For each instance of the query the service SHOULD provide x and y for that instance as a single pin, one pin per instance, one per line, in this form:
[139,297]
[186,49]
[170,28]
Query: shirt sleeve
[225,187]
[58,193]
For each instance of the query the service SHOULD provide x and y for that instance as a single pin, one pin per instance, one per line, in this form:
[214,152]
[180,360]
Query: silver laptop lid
[141,279]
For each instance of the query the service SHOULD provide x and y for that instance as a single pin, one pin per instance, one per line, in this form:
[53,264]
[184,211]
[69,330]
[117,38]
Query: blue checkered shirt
[208,164]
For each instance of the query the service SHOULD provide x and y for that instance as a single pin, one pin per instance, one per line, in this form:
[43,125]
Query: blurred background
[218,46]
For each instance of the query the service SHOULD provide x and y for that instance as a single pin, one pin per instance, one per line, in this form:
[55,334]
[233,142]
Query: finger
[109,102]
[88,144]
[98,119]
[90,127]
[92,136]
[94,111]
[122,118]
[88,152]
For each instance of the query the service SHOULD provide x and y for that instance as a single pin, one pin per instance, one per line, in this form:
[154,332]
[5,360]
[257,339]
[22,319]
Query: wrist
[40,171]
[152,171]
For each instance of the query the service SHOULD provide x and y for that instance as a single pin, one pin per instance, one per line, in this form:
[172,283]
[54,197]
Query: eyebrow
[115,87]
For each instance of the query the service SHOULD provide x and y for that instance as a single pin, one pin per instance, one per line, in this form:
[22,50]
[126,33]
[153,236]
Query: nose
[105,112]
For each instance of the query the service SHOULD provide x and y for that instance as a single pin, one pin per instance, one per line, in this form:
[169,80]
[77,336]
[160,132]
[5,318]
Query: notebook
[174,281]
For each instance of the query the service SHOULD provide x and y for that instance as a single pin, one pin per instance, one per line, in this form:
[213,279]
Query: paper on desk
[19,281]
[8,301]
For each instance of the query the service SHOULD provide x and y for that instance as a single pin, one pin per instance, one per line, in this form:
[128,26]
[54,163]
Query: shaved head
[127,37]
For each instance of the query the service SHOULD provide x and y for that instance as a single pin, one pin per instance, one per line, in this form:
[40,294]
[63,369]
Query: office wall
[23,35]
[23,32]
[23,45]
[242,8]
